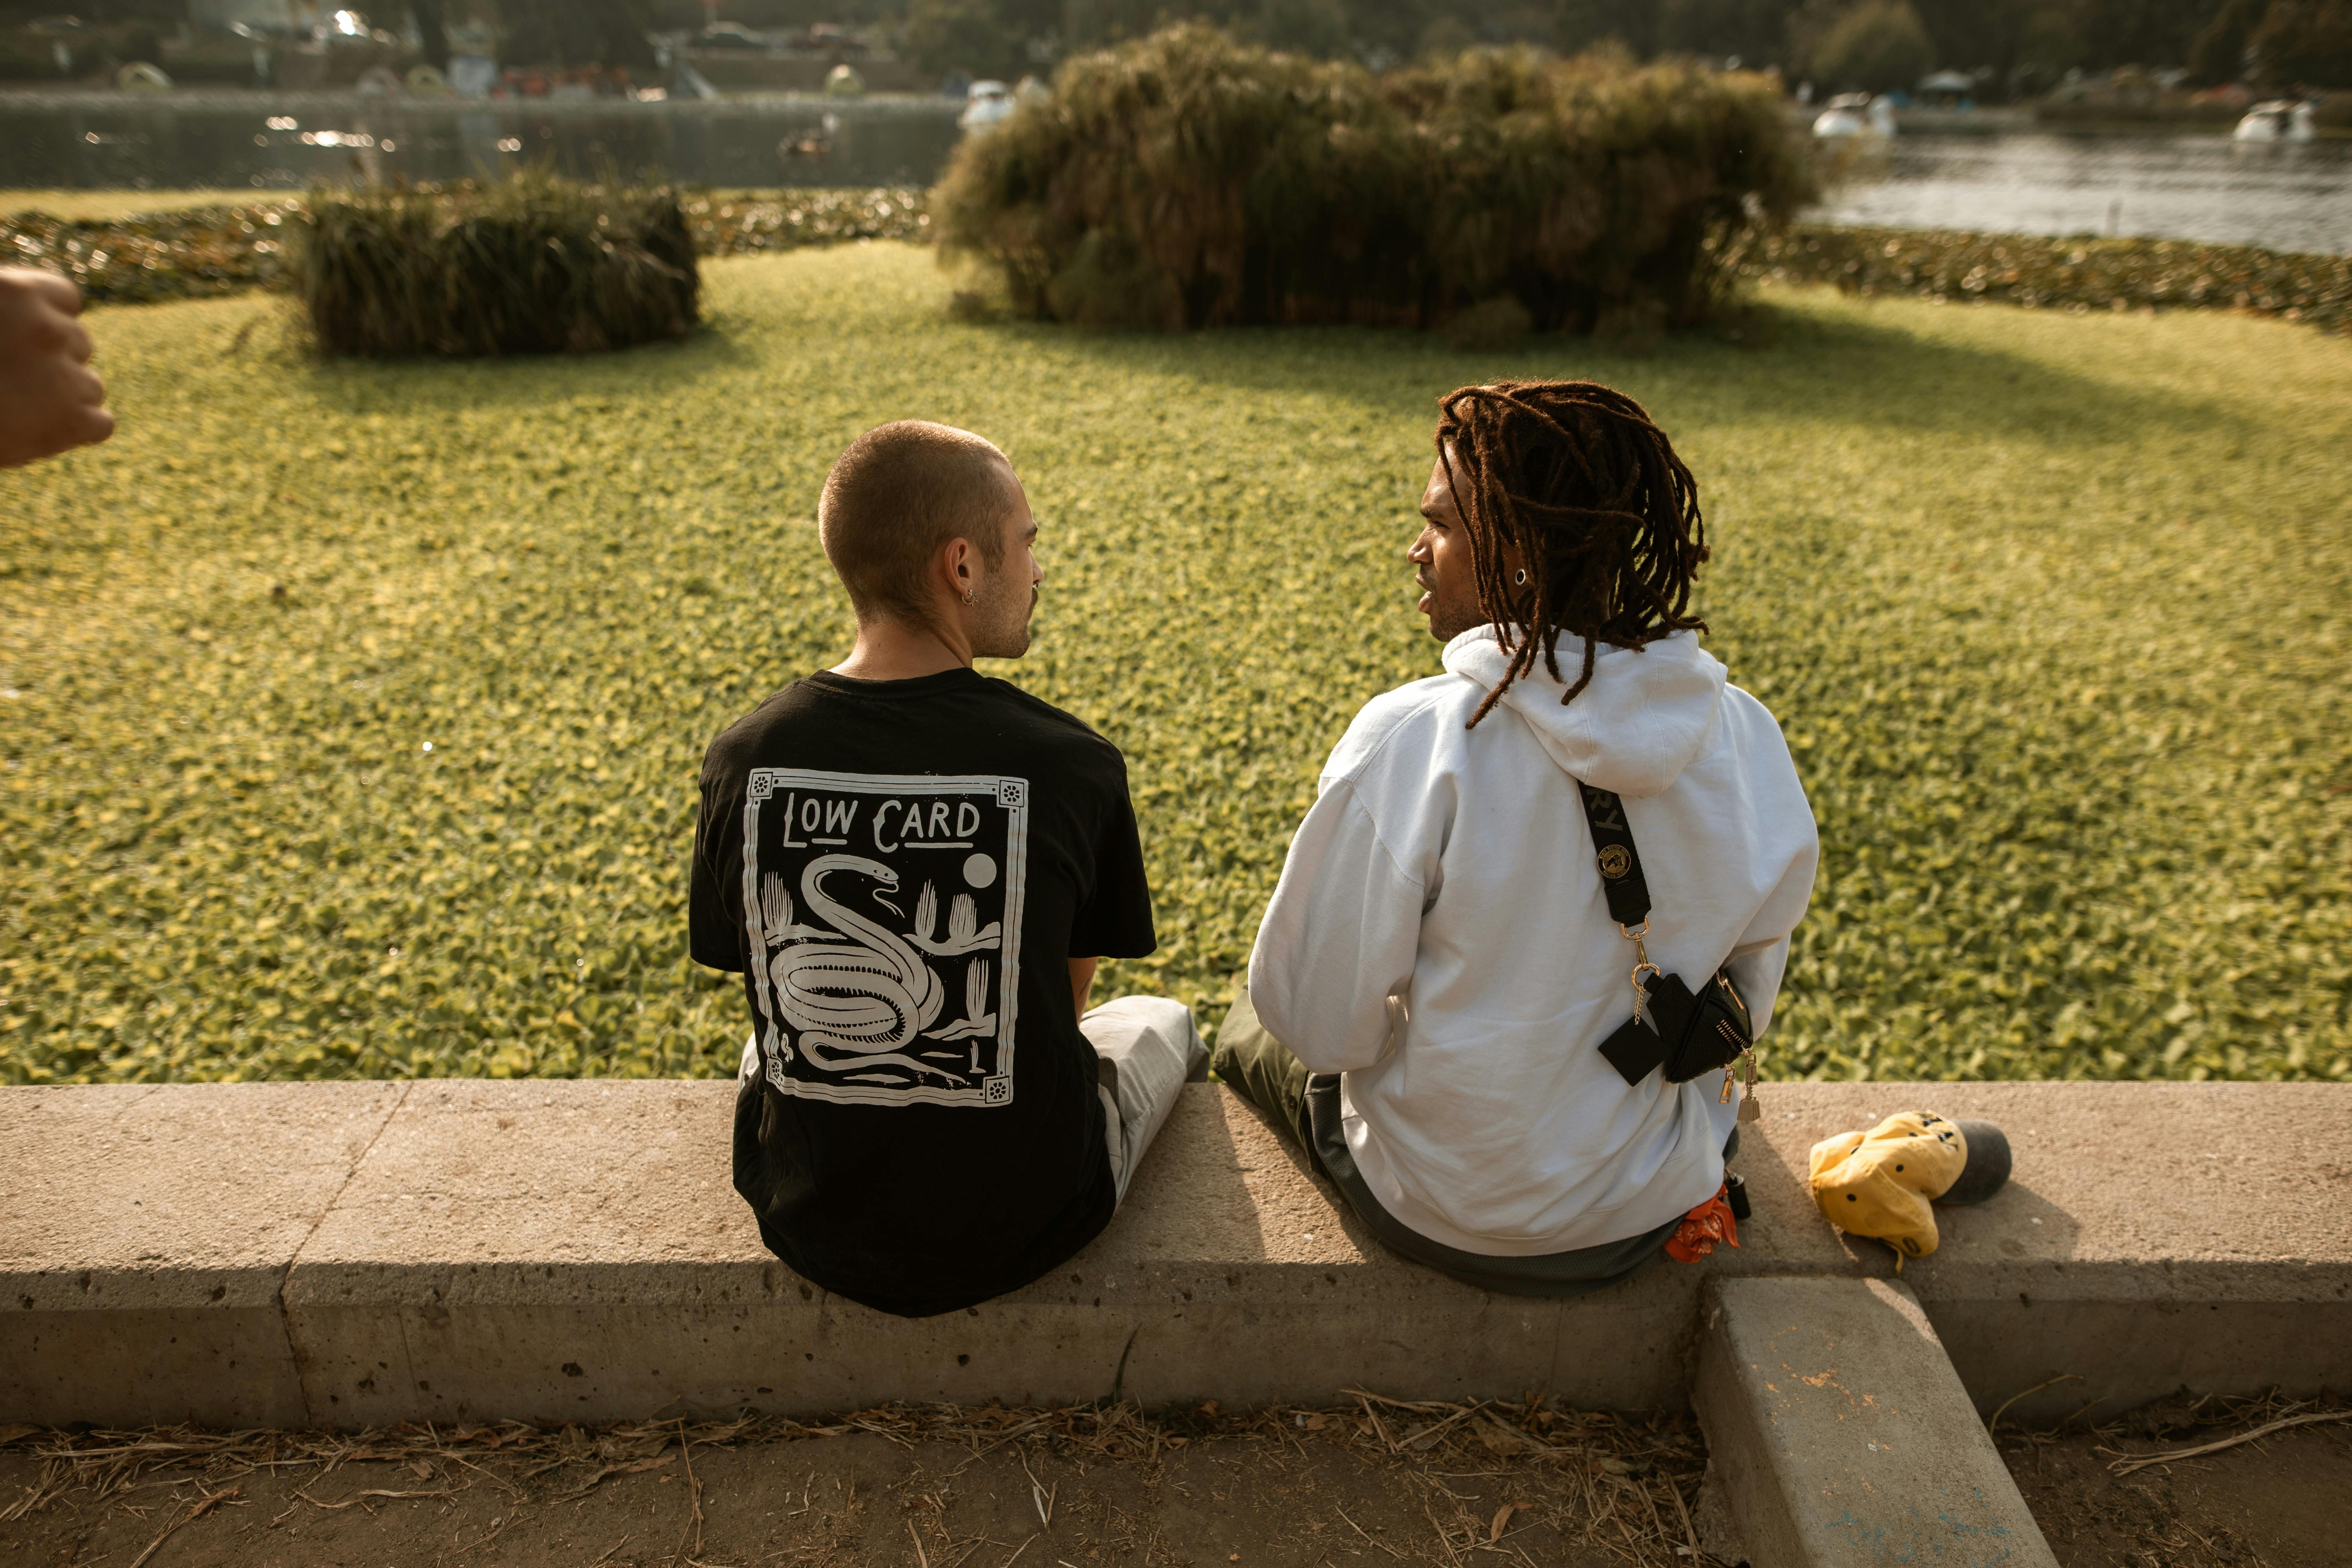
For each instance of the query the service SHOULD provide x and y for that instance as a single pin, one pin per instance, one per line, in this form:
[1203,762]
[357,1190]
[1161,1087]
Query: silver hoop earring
[967,593]
[1522,578]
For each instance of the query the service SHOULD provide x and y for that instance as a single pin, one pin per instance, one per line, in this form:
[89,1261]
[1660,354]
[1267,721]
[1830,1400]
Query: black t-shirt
[901,871]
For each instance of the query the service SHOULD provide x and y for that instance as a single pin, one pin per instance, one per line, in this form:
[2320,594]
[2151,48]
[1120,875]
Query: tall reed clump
[532,265]
[1188,181]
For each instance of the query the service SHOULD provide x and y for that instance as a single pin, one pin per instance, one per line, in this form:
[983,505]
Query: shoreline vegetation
[204,252]
[144,258]
[1185,181]
[533,265]
[2060,272]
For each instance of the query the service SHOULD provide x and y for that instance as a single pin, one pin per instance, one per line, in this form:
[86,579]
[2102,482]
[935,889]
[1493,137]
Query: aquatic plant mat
[936,1487]
[120,254]
[350,713]
[132,257]
[2068,273]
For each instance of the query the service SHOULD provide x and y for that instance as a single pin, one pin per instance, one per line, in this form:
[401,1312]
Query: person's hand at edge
[50,400]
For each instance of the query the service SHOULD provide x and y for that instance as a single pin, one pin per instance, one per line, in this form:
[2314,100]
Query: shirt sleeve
[1761,956]
[1114,922]
[1338,938]
[714,880]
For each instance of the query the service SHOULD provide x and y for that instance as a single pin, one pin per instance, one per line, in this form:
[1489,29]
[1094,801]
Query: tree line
[2014,47]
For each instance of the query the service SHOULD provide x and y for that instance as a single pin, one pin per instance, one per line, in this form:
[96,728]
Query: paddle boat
[1854,115]
[2280,119]
[988,103]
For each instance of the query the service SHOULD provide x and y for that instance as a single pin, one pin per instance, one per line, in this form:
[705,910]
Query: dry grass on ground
[2212,1483]
[931,1488]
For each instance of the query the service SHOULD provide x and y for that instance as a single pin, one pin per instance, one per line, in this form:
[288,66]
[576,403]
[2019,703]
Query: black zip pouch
[1672,1029]
[1685,1035]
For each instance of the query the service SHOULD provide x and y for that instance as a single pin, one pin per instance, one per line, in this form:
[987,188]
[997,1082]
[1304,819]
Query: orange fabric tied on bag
[1704,1226]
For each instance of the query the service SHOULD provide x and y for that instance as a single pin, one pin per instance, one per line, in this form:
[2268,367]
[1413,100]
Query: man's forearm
[1082,981]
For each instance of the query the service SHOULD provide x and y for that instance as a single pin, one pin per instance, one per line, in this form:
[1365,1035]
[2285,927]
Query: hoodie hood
[1633,731]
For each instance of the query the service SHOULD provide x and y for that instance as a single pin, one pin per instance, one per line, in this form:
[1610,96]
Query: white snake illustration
[866,997]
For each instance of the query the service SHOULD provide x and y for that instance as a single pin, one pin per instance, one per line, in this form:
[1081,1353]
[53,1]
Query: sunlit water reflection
[2282,196]
[2186,187]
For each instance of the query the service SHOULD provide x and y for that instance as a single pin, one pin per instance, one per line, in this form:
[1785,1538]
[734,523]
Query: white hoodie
[1454,866]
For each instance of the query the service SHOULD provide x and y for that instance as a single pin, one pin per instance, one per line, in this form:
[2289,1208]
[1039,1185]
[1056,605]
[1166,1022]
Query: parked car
[729,36]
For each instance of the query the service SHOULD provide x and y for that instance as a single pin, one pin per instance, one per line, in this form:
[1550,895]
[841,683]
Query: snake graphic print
[885,917]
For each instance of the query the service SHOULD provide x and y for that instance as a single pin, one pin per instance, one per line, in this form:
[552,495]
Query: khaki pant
[1148,1050]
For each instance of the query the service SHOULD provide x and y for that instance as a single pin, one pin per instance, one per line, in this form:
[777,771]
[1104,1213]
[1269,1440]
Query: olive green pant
[1261,1069]
[1305,1106]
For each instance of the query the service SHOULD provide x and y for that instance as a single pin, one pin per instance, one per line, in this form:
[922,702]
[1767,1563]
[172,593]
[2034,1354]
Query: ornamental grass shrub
[1188,181]
[532,265]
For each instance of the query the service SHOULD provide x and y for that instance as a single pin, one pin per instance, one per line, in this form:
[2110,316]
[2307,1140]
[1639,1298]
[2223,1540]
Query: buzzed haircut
[899,493]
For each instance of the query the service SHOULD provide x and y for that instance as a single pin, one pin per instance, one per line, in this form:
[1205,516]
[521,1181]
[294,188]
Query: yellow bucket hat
[1882,1183]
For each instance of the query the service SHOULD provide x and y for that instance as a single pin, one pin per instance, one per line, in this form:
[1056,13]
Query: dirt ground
[2281,1502]
[933,1489]
[995,1488]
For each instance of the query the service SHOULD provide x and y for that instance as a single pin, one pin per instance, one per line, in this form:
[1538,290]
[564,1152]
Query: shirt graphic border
[1010,793]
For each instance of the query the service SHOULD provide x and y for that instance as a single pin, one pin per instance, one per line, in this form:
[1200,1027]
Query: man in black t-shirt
[915,868]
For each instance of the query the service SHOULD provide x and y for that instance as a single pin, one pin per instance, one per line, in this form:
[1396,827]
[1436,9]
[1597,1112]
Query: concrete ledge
[146,1234]
[1839,1437]
[347,1254]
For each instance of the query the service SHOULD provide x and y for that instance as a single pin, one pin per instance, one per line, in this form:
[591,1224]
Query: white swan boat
[988,103]
[2281,120]
[1852,116]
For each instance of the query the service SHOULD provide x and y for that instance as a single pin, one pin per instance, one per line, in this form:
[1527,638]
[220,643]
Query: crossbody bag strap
[1621,864]
[1622,882]
[1627,892]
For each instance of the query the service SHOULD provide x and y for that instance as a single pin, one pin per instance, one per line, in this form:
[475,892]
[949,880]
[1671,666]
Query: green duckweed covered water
[350,714]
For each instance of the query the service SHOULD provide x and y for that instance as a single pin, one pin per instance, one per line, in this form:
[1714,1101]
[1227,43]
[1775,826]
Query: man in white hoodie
[1438,971]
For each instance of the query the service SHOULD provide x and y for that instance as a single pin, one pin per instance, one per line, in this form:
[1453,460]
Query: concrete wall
[348,1255]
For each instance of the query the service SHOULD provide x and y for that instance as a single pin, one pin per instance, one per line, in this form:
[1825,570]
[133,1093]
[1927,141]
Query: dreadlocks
[1580,485]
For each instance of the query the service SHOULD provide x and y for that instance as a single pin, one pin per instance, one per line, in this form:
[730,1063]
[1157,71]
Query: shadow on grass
[1831,369]
[647,372]
[1828,367]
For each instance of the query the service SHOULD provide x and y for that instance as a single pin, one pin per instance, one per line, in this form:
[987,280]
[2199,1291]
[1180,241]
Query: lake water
[284,142]
[2010,181]
[2282,196]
